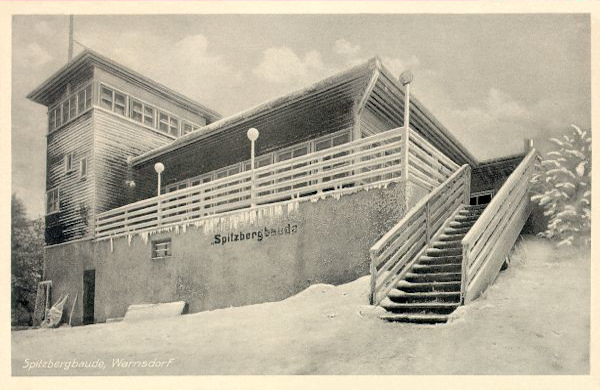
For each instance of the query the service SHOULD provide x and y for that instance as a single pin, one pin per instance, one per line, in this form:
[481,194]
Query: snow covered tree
[562,187]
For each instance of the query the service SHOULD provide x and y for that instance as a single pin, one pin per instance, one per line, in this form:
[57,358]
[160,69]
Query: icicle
[111,245]
[129,237]
[144,236]
[279,210]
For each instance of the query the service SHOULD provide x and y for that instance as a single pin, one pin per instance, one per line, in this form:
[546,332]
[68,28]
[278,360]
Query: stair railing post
[465,265]
[468,186]
[373,270]
[427,223]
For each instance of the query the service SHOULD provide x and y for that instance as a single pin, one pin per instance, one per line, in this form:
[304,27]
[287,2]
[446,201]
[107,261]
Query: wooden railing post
[252,190]
[125,220]
[373,270]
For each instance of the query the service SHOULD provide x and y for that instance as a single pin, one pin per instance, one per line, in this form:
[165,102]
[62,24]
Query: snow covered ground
[534,320]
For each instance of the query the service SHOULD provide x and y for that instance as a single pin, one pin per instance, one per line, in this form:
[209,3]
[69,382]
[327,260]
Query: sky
[492,80]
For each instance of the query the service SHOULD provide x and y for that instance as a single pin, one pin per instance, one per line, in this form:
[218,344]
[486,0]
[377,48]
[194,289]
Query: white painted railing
[490,239]
[368,161]
[428,167]
[393,255]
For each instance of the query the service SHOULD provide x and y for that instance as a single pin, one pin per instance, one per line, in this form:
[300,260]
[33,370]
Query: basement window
[483,197]
[161,249]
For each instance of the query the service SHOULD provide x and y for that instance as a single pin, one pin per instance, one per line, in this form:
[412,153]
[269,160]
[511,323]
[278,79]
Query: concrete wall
[326,241]
[64,265]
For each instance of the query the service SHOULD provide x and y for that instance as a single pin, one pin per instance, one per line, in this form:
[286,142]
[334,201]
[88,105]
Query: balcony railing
[369,161]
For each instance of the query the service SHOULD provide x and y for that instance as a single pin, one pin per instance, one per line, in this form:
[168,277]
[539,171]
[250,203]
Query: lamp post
[252,136]
[405,79]
[159,168]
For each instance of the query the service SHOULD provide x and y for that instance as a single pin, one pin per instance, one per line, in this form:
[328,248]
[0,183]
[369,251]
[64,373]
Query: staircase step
[480,207]
[468,213]
[447,244]
[436,277]
[398,296]
[437,252]
[428,260]
[450,237]
[416,318]
[403,285]
[456,231]
[419,307]
[466,218]
[461,224]
[436,268]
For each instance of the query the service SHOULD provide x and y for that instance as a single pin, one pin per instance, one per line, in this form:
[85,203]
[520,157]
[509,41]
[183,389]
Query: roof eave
[370,65]
[444,131]
[38,94]
[89,56]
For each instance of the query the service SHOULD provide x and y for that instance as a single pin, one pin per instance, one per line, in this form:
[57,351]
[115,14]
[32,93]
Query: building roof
[43,93]
[366,73]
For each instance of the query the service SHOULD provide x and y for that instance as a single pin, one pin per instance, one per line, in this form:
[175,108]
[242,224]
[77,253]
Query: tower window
[69,158]
[113,100]
[141,112]
[53,201]
[106,98]
[187,128]
[168,124]
[83,167]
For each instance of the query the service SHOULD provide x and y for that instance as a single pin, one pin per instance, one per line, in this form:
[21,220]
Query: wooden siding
[491,175]
[326,112]
[116,138]
[136,91]
[371,124]
[75,219]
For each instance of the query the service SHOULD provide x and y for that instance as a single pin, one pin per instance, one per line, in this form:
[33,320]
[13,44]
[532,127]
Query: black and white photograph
[323,193]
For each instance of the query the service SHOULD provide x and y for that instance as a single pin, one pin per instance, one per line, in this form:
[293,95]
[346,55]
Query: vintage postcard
[218,190]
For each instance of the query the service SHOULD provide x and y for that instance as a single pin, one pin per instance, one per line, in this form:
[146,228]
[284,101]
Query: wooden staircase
[431,289]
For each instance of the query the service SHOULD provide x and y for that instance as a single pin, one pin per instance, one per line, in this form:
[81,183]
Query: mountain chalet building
[340,189]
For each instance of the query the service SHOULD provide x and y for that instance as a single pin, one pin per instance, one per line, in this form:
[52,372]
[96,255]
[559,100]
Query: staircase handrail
[393,254]
[499,221]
